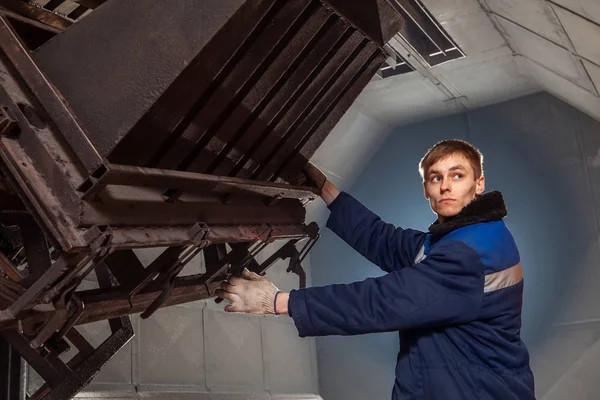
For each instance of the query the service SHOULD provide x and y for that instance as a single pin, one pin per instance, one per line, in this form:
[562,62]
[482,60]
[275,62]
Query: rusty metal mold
[180,134]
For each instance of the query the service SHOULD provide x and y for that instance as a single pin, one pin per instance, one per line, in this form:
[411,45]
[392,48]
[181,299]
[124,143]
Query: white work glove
[251,293]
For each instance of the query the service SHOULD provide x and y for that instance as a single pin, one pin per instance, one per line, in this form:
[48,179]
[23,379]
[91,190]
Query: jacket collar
[485,208]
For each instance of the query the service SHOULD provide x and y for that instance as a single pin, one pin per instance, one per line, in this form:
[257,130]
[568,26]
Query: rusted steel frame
[168,277]
[50,198]
[127,269]
[28,21]
[269,32]
[92,4]
[51,368]
[9,269]
[238,255]
[36,192]
[102,304]
[81,344]
[34,243]
[328,94]
[274,77]
[10,372]
[59,268]
[300,102]
[49,98]
[179,236]
[305,66]
[189,182]
[10,291]
[262,84]
[161,264]
[158,214]
[45,17]
[85,371]
[330,117]
[377,19]
[165,117]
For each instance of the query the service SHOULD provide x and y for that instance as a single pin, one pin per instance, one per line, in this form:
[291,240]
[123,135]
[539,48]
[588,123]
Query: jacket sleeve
[445,288]
[383,244]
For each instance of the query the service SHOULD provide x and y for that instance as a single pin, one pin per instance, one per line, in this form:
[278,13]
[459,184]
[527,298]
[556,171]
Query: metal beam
[190,182]
[102,304]
[50,99]
[37,13]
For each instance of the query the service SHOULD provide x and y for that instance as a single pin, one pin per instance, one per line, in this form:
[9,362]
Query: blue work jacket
[454,294]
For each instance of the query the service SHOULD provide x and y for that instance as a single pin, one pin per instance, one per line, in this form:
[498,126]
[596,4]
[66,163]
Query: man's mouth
[447,200]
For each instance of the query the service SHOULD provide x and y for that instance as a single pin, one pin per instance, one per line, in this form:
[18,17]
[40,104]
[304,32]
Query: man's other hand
[250,293]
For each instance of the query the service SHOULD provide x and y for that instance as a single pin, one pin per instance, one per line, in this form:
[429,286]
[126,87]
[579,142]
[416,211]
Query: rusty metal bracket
[169,276]
[198,233]
[99,238]
[296,257]
[59,319]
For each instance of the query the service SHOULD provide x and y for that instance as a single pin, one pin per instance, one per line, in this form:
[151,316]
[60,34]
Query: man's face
[450,185]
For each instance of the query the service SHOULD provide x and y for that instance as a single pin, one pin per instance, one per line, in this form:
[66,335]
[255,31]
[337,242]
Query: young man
[454,293]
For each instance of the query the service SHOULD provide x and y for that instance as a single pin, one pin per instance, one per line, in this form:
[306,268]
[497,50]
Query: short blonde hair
[446,148]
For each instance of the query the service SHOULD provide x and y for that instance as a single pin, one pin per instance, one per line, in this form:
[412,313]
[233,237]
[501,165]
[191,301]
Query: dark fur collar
[487,207]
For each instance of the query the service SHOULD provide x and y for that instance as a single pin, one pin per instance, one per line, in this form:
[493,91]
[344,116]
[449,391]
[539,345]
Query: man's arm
[329,192]
[446,288]
[382,243]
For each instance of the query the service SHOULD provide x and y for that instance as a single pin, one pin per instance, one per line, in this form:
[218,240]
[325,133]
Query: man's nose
[446,186]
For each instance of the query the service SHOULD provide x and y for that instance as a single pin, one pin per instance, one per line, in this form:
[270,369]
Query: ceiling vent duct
[394,65]
[424,34]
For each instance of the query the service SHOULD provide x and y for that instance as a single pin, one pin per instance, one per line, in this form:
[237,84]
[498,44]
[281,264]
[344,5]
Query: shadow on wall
[535,152]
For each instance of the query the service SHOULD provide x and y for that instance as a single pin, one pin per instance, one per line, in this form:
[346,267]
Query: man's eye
[458,176]
[435,179]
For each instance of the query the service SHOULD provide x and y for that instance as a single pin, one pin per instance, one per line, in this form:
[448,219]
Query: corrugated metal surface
[250,92]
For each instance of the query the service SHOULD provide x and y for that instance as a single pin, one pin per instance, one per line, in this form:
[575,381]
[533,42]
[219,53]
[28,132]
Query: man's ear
[425,191]
[480,187]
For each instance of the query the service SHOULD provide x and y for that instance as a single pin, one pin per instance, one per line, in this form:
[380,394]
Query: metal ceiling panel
[467,24]
[492,81]
[536,15]
[594,71]
[407,100]
[467,62]
[546,53]
[567,91]
[588,8]
[448,10]
[584,34]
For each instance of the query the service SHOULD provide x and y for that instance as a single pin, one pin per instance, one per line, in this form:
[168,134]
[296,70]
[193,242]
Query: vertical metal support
[10,372]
